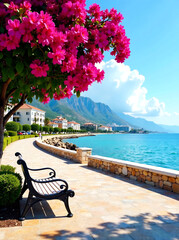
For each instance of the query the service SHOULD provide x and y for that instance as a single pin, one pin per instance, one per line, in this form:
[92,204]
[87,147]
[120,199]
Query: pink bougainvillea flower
[12,43]
[39,69]
[13,28]
[58,56]
[3,41]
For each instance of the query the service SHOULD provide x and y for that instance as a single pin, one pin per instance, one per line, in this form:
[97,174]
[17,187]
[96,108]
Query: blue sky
[153,93]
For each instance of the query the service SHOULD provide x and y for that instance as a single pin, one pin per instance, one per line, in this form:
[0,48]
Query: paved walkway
[105,206]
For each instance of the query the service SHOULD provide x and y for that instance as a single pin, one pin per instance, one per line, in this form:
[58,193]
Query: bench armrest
[52,174]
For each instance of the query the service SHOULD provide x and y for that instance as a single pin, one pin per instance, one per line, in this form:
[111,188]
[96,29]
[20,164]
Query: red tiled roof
[27,106]
[73,122]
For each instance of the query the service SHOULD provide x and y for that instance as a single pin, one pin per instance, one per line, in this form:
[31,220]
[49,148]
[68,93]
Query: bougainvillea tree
[49,48]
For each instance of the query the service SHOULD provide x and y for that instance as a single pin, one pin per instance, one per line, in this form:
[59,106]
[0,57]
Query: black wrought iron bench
[43,189]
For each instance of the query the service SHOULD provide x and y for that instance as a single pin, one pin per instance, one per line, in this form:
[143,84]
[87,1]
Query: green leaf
[5,74]
[48,86]
[29,52]
[78,94]
[11,73]
[19,67]
[9,61]
[1,55]
[1,29]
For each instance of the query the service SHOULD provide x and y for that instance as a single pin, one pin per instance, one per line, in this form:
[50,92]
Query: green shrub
[12,133]
[12,126]
[26,127]
[7,168]
[14,138]
[56,129]
[10,188]
[6,134]
[8,140]
[20,127]
[50,129]
[35,127]
[45,128]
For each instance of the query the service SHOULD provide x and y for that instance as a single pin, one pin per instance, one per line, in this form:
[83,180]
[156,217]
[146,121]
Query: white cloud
[123,90]
[176,113]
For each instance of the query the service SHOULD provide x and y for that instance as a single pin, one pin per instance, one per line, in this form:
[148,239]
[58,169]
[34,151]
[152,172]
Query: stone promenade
[105,206]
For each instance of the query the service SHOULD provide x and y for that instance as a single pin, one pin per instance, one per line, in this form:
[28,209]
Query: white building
[52,124]
[121,128]
[28,114]
[105,128]
[74,125]
[62,122]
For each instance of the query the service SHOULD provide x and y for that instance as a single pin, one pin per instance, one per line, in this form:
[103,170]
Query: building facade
[28,114]
[74,125]
[121,128]
[62,122]
[105,128]
[90,126]
[52,124]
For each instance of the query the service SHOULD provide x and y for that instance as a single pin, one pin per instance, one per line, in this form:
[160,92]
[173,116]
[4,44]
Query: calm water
[153,149]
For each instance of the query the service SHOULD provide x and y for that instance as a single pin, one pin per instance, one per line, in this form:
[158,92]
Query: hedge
[12,133]
[10,188]
[8,140]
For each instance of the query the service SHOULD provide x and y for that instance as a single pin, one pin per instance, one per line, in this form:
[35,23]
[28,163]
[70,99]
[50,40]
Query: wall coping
[85,149]
[54,147]
[159,170]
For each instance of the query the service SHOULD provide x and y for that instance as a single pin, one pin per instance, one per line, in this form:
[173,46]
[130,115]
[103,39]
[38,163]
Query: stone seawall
[167,179]
[80,155]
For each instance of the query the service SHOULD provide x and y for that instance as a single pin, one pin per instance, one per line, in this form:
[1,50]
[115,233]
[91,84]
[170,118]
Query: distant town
[30,115]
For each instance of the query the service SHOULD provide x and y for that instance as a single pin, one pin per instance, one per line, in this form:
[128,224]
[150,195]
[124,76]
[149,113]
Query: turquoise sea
[155,149]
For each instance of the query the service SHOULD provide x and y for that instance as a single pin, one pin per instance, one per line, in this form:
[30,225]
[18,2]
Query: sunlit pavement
[105,206]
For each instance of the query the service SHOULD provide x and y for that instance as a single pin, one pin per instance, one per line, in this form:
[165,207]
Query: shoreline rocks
[57,142]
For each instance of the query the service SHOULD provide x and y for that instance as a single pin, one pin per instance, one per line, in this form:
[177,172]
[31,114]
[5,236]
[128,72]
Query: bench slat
[46,188]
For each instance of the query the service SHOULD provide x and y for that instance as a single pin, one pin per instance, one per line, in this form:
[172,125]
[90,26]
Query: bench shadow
[136,183]
[40,210]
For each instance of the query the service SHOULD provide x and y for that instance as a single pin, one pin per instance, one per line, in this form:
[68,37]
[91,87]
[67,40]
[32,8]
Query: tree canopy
[50,48]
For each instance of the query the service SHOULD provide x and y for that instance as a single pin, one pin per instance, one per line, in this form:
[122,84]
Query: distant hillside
[83,110]
[142,123]
[80,110]
[172,129]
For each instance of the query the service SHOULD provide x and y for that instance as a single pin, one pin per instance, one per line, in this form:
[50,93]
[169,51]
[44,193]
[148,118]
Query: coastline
[165,178]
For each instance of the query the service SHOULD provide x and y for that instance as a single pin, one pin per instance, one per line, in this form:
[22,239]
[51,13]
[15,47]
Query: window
[27,113]
[27,119]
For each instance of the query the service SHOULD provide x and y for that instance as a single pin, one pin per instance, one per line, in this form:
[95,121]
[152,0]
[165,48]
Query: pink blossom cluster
[39,69]
[70,38]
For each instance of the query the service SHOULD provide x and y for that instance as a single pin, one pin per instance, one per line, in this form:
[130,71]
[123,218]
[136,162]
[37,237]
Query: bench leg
[65,200]
[23,190]
[29,203]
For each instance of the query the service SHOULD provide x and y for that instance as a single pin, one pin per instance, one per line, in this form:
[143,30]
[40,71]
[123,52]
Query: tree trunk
[1,131]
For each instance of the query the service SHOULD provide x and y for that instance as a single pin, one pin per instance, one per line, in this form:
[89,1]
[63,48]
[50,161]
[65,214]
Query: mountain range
[83,109]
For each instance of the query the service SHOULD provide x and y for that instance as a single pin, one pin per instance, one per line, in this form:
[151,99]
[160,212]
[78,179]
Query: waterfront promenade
[105,206]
